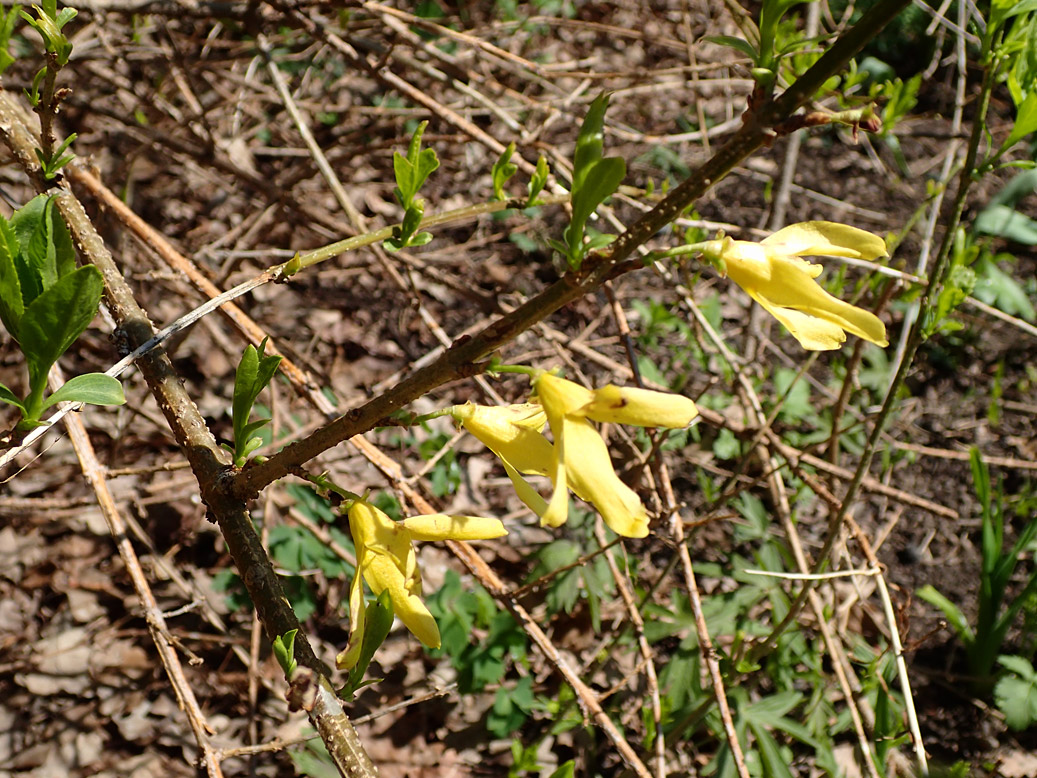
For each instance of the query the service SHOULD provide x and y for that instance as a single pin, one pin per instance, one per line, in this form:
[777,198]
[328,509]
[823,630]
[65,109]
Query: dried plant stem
[918,336]
[94,472]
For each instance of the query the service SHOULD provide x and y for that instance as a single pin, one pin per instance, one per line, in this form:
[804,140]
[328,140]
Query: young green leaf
[284,652]
[57,317]
[254,372]
[412,171]
[594,178]
[951,611]
[12,305]
[1016,694]
[407,233]
[9,397]
[503,169]
[537,182]
[90,388]
[378,620]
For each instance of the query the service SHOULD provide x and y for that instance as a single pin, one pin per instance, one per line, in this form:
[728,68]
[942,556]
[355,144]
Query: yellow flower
[385,558]
[512,432]
[582,461]
[774,274]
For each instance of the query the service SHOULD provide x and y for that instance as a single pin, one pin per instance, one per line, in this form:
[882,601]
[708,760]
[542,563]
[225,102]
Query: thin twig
[94,473]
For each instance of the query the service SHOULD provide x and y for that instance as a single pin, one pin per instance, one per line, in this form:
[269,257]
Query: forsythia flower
[579,459]
[774,274]
[385,558]
[582,460]
[512,432]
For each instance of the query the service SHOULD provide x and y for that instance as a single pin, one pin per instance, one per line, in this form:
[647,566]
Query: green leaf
[12,306]
[951,611]
[537,182]
[9,397]
[412,171]
[738,44]
[1025,121]
[503,169]
[774,764]
[1005,222]
[1017,699]
[54,320]
[1019,665]
[90,388]
[45,245]
[254,373]
[284,652]
[998,288]
[565,770]
[594,178]
[377,623]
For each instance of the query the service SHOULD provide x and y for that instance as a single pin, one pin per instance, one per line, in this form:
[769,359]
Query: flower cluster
[578,459]
[774,273]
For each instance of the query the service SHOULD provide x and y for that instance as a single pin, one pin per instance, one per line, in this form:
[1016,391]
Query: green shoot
[46,303]
[594,179]
[284,652]
[411,173]
[503,169]
[254,372]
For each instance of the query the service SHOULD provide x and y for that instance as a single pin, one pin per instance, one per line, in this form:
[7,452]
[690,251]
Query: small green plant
[284,652]
[46,303]
[537,182]
[769,42]
[983,640]
[411,173]
[254,373]
[503,169]
[44,96]
[594,179]
[1016,692]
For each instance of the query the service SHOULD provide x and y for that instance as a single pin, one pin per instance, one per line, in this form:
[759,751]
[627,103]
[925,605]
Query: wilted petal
[639,407]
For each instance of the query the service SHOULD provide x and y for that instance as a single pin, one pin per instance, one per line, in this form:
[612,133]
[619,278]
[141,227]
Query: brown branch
[463,358]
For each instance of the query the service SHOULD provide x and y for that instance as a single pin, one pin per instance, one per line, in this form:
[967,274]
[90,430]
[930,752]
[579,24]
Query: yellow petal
[785,285]
[440,526]
[557,511]
[512,432]
[348,658]
[529,496]
[640,407]
[592,477]
[370,527]
[412,612]
[837,240]
[559,396]
[813,334]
